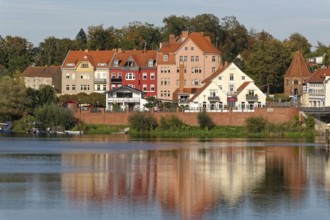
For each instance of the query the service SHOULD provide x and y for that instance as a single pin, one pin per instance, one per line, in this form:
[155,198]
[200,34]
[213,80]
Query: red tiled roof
[298,67]
[319,75]
[40,71]
[185,90]
[242,87]
[140,57]
[203,42]
[95,57]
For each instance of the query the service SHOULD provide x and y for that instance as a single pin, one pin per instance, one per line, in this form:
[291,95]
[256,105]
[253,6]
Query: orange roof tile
[40,71]
[203,42]
[95,57]
[298,67]
[140,57]
[319,75]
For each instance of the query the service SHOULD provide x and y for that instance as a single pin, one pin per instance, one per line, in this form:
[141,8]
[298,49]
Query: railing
[100,81]
[251,98]
[116,80]
[125,100]
[214,98]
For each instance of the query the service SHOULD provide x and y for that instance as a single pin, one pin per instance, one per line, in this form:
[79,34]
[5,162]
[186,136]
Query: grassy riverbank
[194,131]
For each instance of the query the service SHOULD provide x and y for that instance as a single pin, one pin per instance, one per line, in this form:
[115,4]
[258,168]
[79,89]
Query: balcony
[125,100]
[100,81]
[214,99]
[116,80]
[251,98]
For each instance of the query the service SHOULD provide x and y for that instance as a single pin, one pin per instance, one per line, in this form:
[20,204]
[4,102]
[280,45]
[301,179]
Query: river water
[114,177]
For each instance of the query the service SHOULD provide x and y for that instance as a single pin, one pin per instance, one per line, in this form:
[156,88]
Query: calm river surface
[114,177]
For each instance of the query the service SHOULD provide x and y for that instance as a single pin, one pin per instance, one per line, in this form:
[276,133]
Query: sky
[36,20]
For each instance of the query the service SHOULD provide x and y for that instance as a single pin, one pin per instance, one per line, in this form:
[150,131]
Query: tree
[100,38]
[208,23]
[54,116]
[14,101]
[175,25]
[81,39]
[267,63]
[298,42]
[151,102]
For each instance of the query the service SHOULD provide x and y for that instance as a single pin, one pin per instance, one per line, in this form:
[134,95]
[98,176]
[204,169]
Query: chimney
[171,38]
[184,35]
[181,77]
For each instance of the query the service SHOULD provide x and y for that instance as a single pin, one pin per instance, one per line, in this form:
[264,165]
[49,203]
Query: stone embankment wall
[274,115]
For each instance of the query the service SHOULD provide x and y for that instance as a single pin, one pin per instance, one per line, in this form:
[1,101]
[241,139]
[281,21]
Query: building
[199,57]
[86,71]
[314,94]
[36,76]
[228,87]
[125,98]
[135,68]
[296,76]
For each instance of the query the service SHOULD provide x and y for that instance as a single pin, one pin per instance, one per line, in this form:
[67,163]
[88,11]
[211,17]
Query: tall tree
[267,64]
[81,39]
[298,42]
[100,38]
[14,101]
[209,24]
[234,38]
[175,25]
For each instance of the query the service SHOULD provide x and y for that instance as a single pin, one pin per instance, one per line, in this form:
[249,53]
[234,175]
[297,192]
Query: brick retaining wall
[274,115]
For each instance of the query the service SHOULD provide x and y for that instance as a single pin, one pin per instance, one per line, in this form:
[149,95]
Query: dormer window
[165,57]
[84,65]
[151,63]
[102,64]
[116,63]
[70,64]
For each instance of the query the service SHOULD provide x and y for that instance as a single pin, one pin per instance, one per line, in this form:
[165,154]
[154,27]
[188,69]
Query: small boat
[5,127]
[74,132]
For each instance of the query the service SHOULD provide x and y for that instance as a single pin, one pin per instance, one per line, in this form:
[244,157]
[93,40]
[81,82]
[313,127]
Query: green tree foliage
[298,42]
[171,123]
[15,54]
[256,124]
[209,24]
[81,40]
[14,101]
[82,98]
[205,121]
[267,63]
[142,122]
[175,25]
[99,38]
[310,123]
[45,95]
[53,116]
[151,102]
[234,38]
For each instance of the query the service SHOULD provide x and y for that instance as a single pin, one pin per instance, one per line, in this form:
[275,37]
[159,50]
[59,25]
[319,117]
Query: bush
[142,122]
[205,120]
[256,124]
[171,123]
[310,123]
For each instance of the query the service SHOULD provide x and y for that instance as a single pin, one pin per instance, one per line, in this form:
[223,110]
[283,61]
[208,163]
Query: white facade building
[125,98]
[228,87]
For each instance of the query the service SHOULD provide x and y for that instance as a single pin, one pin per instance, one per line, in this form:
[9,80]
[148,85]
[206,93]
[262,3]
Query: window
[231,77]
[165,57]
[213,69]
[177,82]
[243,77]
[192,48]
[104,87]
[213,93]
[161,93]
[73,87]
[67,87]
[197,58]
[84,65]
[185,82]
[152,87]
[231,88]
[186,48]
[150,63]
[251,92]
[185,58]
[168,93]
[130,76]
[161,81]
[295,82]
[220,87]
[144,87]
[73,76]
[213,58]
[181,58]
[119,75]
[194,82]
[113,76]
[152,76]
[116,63]
[67,76]
[192,59]
[144,76]
[177,70]
[220,77]
[113,86]
[98,87]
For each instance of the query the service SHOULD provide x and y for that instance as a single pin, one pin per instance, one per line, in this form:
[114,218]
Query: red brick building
[135,68]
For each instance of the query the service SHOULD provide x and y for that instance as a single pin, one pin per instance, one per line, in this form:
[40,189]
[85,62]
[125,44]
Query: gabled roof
[97,58]
[298,67]
[140,57]
[319,75]
[126,88]
[242,87]
[40,71]
[201,41]
[185,91]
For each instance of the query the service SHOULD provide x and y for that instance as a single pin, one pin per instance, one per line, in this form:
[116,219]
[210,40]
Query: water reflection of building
[192,181]
[105,177]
